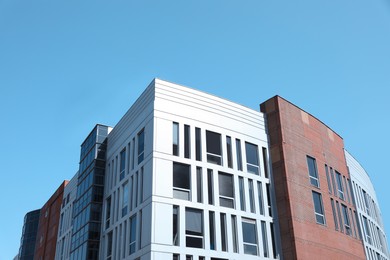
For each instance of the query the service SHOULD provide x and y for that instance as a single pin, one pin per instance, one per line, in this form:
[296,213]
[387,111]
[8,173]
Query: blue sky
[67,65]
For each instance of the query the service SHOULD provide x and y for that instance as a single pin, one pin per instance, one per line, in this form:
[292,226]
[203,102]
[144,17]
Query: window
[229,151]
[133,155]
[346,189]
[265,160]
[367,230]
[198,144]
[213,146]
[239,155]
[347,224]
[252,158]
[340,185]
[333,181]
[260,194]
[318,208]
[133,232]
[176,226]
[334,215]
[109,245]
[140,229]
[251,196]
[176,257]
[122,165]
[313,174]
[212,229]
[339,215]
[264,237]
[125,198]
[181,181]
[194,228]
[328,179]
[141,146]
[175,139]
[242,192]
[187,142]
[199,185]
[249,236]
[226,190]
[210,186]
[108,211]
[223,232]
[234,234]
[267,186]
[141,185]
[365,200]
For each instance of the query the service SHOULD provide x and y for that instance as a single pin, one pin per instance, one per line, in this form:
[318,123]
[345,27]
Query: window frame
[319,214]
[313,171]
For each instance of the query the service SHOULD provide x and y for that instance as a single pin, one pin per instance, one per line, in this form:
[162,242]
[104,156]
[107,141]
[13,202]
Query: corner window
[226,190]
[252,158]
[141,146]
[318,208]
[313,174]
[194,228]
[181,181]
[213,147]
[249,236]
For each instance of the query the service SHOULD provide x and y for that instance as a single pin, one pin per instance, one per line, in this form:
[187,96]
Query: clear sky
[67,65]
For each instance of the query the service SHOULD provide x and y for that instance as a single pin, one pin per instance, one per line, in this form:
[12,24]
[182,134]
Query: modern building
[29,235]
[188,175]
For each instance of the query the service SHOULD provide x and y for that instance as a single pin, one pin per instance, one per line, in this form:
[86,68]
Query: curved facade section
[29,235]
[370,217]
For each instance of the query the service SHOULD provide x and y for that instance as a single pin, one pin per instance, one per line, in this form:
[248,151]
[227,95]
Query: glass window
[108,211]
[210,186]
[175,139]
[249,236]
[229,151]
[264,237]
[176,226]
[252,158]
[267,186]
[194,228]
[347,224]
[212,229]
[181,181]
[318,208]
[339,216]
[367,230]
[334,215]
[251,196]
[260,195]
[333,181]
[328,179]
[340,185]
[214,148]
[265,160]
[239,155]
[242,192]
[226,190]
[133,232]
[346,189]
[223,232]
[198,144]
[365,200]
[176,257]
[234,234]
[109,245]
[141,146]
[313,174]
[187,141]
[141,185]
[122,166]
[125,198]
[133,155]
[199,185]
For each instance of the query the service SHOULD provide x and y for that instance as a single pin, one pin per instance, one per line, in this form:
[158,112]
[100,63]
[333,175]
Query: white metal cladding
[369,214]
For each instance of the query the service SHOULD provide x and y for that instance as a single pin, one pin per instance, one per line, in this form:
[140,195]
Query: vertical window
[223,232]
[229,151]
[239,155]
[176,257]
[339,215]
[313,174]
[365,200]
[252,158]
[260,197]
[214,148]
[249,236]
[187,141]
[264,237]
[199,185]
[212,229]
[141,146]
[333,181]
[367,230]
[357,224]
[340,185]
[226,190]
[318,208]
[122,166]
[242,192]
[175,139]
[108,211]
[176,226]
[265,160]
[328,179]
[141,185]
[136,188]
[347,224]
[251,196]
[346,189]
[133,155]
[210,186]
[269,199]
[194,228]
[198,144]
[181,181]
[131,192]
[124,239]
[125,198]
[234,234]
[334,215]
[140,230]
[109,246]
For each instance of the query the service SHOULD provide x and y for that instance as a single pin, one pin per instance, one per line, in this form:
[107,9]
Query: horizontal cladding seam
[225,104]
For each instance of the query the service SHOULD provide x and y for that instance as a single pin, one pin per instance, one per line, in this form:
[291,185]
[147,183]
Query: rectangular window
[223,232]
[268,199]
[365,200]
[367,230]
[333,181]
[176,257]
[242,192]
[181,181]
[109,245]
[339,215]
[336,225]
[252,158]
[131,191]
[214,148]
[176,226]
[175,138]
[133,155]
[249,236]
[346,189]
[328,179]
[199,185]
[239,155]
[194,228]
[212,229]
[198,144]
[226,190]
[265,160]
[234,234]
[347,224]
[122,166]
[318,208]
[229,151]
[141,146]
[124,239]
[340,185]
[133,232]
[136,189]
[125,198]
[108,211]
[251,196]
[141,185]
[313,174]
[187,142]
[140,229]
[264,237]
[210,186]
[260,197]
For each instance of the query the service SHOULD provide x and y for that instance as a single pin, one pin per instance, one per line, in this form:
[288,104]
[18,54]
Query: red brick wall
[294,134]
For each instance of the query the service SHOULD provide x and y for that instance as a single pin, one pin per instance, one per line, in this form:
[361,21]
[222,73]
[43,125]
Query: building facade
[29,235]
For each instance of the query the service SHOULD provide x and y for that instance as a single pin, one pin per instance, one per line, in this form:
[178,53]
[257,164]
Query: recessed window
[249,236]
[234,234]
[229,151]
[108,211]
[265,238]
[239,154]
[198,144]
[210,186]
[340,185]
[141,146]
[334,215]
[212,229]
[313,174]
[109,245]
[133,233]
[242,192]
[181,181]
[194,228]
[199,185]
[367,230]
[251,196]
[125,198]
[318,208]
[175,138]
[226,190]
[223,232]
[122,165]
[261,200]
[187,142]
[339,216]
[347,224]
[176,225]
[328,179]
[252,158]
[214,148]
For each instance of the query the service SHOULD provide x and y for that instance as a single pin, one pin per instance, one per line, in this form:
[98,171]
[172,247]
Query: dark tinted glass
[213,142]
[181,175]
[225,184]
[252,155]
